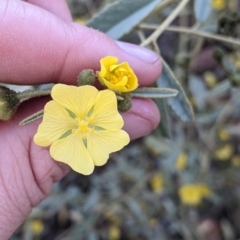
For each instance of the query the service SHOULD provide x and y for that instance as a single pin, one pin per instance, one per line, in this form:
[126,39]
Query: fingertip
[142,118]
[91,45]
[146,63]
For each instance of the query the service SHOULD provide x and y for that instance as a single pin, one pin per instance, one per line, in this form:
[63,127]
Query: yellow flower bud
[181,162]
[117,77]
[157,182]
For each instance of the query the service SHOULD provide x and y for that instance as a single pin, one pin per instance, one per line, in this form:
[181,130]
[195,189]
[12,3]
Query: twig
[141,35]
[194,32]
[165,24]
[156,47]
[26,95]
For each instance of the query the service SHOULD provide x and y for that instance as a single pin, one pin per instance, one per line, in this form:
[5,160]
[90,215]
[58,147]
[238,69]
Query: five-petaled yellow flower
[82,126]
[117,77]
[193,194]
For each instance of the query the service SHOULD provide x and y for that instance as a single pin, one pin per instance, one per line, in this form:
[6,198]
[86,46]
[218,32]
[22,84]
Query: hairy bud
[86,77]
[125,104]
[8,103]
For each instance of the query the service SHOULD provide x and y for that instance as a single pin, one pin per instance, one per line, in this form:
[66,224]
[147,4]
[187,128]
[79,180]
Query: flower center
[118,75]
[83,126]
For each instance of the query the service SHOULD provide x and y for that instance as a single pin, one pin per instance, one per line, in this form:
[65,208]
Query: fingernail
[141,53]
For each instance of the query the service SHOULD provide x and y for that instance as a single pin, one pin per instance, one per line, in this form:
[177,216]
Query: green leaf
[148,92]
[202,9]
[198,91]
[122,16]
[32,118]
[164,126]
[180,104]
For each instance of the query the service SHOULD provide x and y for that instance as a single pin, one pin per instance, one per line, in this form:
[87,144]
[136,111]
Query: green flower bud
[182,59]
[125,104]
[8,103]
[86,77]
[235,80]
[218,54]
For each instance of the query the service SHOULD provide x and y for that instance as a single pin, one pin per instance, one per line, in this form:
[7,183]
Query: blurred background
[183,180]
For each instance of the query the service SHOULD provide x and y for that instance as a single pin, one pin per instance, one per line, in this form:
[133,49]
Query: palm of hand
[27,171]
[45,46]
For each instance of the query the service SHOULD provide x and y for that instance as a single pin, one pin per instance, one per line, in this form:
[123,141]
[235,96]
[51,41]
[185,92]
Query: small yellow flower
[181,162]
[117,77]
[82,127]
[210,79]
[224,135]
[114,233]
[224,153]
[192,194]
[237,64]
[37,227]
[218,4]
[157,182]
[236,161]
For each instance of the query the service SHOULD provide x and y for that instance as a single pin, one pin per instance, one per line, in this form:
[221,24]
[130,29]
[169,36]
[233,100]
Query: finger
[57,7]
[41,48]
[142,118]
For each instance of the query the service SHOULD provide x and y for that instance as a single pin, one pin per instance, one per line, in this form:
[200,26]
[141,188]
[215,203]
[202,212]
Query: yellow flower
[117,77]
[210,79]
[192,194]
[82,126]
[223,135]
[181,162]
[37,227]
[224,153]
[114,233]
[157,182]
[218,4]
[236,161]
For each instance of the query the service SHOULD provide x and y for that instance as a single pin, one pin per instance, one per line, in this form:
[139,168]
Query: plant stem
[165,24]
[26,95]
[194,32]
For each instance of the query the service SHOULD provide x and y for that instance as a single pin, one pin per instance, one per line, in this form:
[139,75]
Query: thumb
[38,47]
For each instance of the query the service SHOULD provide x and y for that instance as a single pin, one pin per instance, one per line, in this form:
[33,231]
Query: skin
[39,43]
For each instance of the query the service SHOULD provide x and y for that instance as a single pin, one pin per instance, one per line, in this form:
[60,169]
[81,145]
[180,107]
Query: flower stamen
[83,126]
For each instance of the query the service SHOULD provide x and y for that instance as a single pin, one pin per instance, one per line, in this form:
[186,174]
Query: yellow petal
[112,67]
[105,114]
[101,143]
[56,122]
[121,85]
[71,150]
[78,100]
[108,61]
[132,78]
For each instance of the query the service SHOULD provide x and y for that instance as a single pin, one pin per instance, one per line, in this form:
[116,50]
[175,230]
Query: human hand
[40,44]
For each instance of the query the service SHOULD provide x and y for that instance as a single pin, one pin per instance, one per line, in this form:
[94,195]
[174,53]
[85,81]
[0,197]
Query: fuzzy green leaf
[164,126]
[202,9]
[121,17]
[149,92]
[32,118]
[180,104]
